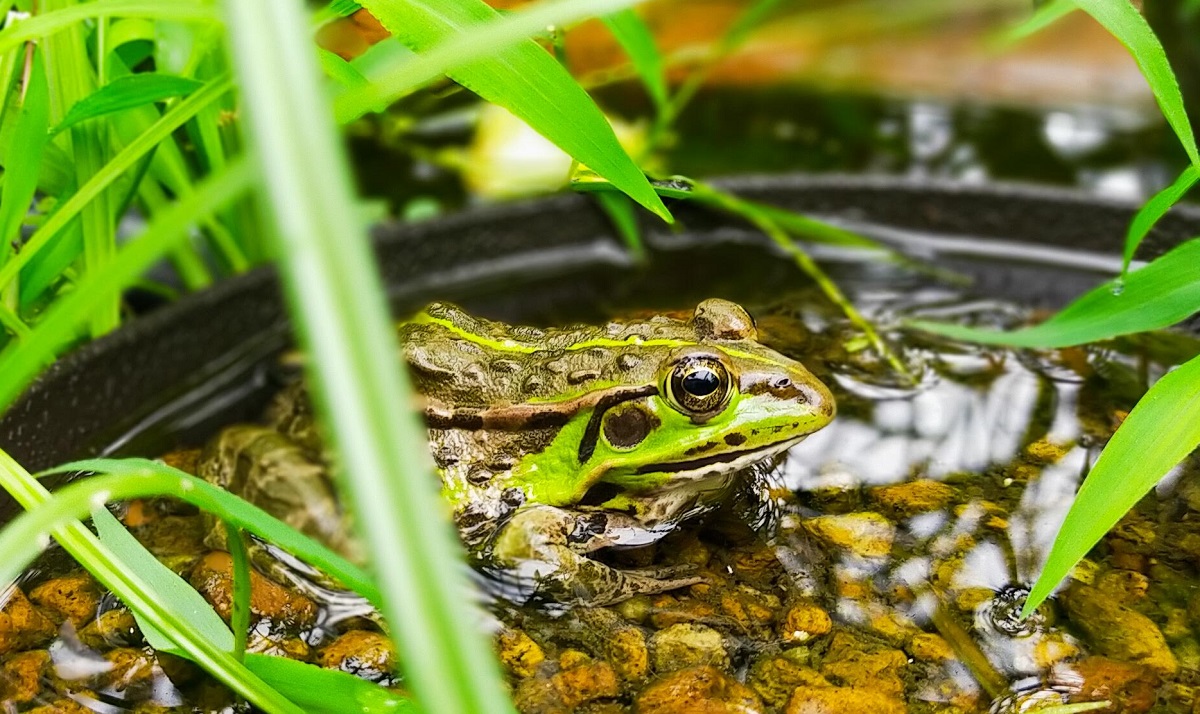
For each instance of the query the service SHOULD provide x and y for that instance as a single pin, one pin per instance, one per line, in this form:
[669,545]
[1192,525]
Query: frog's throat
[538,415]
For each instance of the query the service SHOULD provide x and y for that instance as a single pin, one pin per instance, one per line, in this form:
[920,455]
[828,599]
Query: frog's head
[709,400]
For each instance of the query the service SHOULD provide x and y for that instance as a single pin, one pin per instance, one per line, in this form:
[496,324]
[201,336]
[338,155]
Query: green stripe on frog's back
[502,337]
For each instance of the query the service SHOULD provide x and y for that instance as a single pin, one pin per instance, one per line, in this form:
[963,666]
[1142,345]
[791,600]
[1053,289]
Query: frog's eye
[699,387]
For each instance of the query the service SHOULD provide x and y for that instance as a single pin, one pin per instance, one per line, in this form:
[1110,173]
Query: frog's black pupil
[701,383]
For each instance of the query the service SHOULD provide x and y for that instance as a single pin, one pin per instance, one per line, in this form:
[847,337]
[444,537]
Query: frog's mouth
[719,463]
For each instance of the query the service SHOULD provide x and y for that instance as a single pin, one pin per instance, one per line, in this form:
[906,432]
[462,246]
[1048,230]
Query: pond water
[900,540]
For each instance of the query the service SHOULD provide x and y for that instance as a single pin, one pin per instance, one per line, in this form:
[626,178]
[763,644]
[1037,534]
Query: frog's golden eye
[699,386]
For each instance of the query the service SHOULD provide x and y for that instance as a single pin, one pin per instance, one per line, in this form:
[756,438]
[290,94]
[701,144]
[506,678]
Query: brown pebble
[1118,631]
[697,690]
[23,626]
[844,700]
[519,654]
[1132,689]
[804,621]
[212,576]
[585,683]
[21,676]
[854,662]
[366,654]
[908,499]
[776,677]
[71,597]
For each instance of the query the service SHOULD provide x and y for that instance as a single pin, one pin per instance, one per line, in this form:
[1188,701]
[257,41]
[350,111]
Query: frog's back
[462,360]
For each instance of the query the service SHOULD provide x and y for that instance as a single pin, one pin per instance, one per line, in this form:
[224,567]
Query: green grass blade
[141,478]
[637,40]
[1158,295]
[1162,429]
[491,56]
[120,579]
[326,691]
[1043,17]
[24,153]
[1124,22]
[21,363]
[167,588]
[311,688]
[620,211]
[126,159]
[128,92]
[48,23]
[1154,209]
[337,301]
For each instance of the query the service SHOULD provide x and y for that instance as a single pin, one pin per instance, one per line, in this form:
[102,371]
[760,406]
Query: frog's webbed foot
[538,556]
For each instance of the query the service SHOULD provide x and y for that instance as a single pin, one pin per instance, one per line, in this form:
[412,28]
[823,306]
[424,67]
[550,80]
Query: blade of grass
[58,327]
[1155,296]
[1043,17]
[1160,431]
[122,162]
[239,617]
[1123,21]
[125,479]
[491,56]
[48,23]
[637,40]
[338,304]
[1154,209]
[311,688]
[74,80]
[24,153]
[127,92]
[620,211]
[123,582]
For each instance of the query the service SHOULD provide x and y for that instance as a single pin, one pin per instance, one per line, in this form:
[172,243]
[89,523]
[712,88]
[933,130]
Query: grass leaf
[1154,209]
[490,55]
[338,305]
[637,40]
[30,528]
[1158,295]
[48,23]
[22,159]
[620,211]
[1124,22]
[1043,17]
[166,586]
[1162,429]
[127,92]
[326,691]
[20,363]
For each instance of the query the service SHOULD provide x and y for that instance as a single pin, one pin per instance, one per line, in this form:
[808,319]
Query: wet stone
[171,536]
[365,654]
[928,647]
[71,597]
[865,534]
[855,662]
[212,576]
[1117,631]
[804,621]
[111,628]
[697,690]
[519,654]
[1132,689]
[23,626]
[844,700]
[618,642]
[908,499]
[684,645]
[775,677]
[21,676]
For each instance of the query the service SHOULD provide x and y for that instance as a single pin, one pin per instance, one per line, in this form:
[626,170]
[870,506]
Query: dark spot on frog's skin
[478,476]
[601,492]
[501,463]
[533,384]
[506,366]
[628,361]
[627,427]
[707,446]
[736,439]
[580,376]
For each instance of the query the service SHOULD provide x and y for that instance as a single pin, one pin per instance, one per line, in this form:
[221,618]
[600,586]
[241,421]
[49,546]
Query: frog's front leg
[545,548]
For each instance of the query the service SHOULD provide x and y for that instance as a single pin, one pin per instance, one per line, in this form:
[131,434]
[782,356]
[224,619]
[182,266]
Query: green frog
[553,444]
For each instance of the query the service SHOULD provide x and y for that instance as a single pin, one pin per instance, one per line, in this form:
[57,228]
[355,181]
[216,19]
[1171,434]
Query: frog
[554,445]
